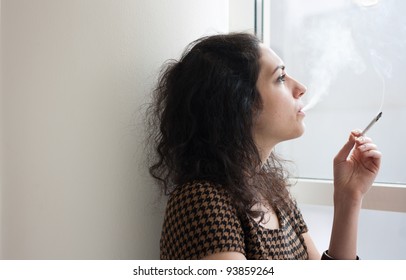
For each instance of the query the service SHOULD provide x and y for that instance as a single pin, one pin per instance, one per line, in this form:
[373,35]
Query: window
[351,53]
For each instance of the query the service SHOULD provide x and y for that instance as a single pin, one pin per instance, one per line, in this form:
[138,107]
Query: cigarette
[374,120]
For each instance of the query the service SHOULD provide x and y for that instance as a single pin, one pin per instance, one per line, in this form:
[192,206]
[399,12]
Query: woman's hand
[355,167]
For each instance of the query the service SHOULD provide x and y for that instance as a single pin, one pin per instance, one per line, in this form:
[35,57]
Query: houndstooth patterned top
[200,220]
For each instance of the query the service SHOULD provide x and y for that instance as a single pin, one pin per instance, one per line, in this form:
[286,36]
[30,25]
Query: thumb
[346,149]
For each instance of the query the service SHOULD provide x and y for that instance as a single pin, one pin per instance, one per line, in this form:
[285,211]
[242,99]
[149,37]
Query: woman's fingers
[362,140]
[374,154]
[346,149]
[367,147]
[369,152]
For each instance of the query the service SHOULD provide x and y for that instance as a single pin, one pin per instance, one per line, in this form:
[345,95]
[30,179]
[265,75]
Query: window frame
[382,196]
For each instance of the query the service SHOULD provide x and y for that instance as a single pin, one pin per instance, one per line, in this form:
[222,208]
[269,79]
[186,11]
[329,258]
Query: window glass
[353,55]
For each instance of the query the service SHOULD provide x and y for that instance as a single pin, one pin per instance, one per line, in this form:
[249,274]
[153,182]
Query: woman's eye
[282,78]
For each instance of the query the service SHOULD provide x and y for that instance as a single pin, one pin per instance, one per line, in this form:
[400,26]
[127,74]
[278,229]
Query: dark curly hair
[201,121]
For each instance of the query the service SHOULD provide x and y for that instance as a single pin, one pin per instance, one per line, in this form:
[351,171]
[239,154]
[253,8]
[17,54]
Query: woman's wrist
[348,199]
[326,256]
[346,210]
[343,242]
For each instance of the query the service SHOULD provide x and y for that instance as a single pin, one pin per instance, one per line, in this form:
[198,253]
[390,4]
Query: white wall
[1,131]
[242,15]
[75,74]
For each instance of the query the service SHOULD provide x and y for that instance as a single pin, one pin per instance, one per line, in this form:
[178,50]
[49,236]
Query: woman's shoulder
[200,220]
[200,198]
[201,190]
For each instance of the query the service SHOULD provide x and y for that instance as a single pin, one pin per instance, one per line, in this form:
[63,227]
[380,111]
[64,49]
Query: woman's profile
[216,116]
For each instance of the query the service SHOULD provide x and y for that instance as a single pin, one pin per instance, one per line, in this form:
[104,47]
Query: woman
[216,117]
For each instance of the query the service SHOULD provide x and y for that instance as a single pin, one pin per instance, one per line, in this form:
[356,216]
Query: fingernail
[360,139]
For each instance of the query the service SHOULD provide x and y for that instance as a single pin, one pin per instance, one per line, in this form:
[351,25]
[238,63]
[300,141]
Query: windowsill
[384,197]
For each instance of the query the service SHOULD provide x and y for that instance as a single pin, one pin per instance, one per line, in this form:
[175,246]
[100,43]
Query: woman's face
[280,117]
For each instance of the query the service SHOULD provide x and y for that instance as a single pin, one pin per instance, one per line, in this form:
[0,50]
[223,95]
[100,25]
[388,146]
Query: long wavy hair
[200,123]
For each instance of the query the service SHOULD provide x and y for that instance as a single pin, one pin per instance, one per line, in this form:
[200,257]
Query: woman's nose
[299,90]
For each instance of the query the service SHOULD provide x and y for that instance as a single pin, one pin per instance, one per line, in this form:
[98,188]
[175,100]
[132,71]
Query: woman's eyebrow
[278,67]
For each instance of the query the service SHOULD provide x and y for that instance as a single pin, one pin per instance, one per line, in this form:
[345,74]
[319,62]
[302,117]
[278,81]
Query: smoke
[381,32]
[381,66]
[353,39]
[333,50]
[384,69]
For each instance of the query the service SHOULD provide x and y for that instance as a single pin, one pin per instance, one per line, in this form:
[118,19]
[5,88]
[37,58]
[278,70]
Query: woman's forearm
[343,242]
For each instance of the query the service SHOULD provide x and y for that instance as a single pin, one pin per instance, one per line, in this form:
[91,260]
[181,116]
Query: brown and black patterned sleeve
[200,220]
[299,224]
